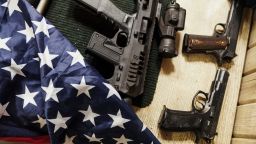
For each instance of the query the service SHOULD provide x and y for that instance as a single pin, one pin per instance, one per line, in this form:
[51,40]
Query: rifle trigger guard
[199,101]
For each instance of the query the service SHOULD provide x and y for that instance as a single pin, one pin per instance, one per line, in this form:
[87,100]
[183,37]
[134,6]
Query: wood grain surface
[245,125]
[248,90]
[250,64]
[243,141]
[252,41]
[244,128]
[249,77]
[181,77]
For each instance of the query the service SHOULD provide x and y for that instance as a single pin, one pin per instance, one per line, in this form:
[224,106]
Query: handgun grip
[105,48]
[204,44]
[172,120]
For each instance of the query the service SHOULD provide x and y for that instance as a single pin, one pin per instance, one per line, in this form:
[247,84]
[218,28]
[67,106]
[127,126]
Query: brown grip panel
[204,44]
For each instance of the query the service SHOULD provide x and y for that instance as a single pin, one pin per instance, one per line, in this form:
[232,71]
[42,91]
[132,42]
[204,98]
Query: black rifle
[203,119]
[223,43]
[129,49]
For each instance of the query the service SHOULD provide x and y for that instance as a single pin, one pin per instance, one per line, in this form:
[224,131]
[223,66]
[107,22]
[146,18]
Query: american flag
[46,87]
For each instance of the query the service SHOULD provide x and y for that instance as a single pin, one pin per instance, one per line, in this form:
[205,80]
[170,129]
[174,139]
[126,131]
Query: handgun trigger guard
[195,100]
[220,32]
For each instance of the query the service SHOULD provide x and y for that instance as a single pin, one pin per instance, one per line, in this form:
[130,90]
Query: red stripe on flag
[30,140]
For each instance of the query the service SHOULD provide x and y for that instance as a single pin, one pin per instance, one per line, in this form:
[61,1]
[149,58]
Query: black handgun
[206,107]
[223,43]
[129,49]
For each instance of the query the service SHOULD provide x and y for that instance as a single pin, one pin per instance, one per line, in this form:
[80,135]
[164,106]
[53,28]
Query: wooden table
[181,77]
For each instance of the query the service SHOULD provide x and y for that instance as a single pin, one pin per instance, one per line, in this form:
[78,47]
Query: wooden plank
[181,77]
[248,90]
[249,77]
[245,125]
[250,62]
[252,41]
[243,141]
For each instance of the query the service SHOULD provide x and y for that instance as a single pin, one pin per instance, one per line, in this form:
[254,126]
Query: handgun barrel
[221,75]
[218,88]
[214,105]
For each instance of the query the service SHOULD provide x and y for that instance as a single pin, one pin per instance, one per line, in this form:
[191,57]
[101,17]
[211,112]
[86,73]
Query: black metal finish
[250,3]
[203,118]
[129,49]
[172,21]
[223,43]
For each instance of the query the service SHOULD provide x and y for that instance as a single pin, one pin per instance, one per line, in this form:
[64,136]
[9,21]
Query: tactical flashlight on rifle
[172,21]
[223,43]
[206,108]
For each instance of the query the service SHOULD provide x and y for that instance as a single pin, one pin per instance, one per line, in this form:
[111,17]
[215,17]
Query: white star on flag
[28,32]
[83,88]
[41,121]
[3,43]
[28,97]
[77,58]
[42,26]
[15,69]
[3,111]
[93,138]
[89,115]
[122,140]
[12,6]
[36,59]
[118,120]
[69,140]
[59,122]
[112,91]
[144,127]
[46,58]
[51,92]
